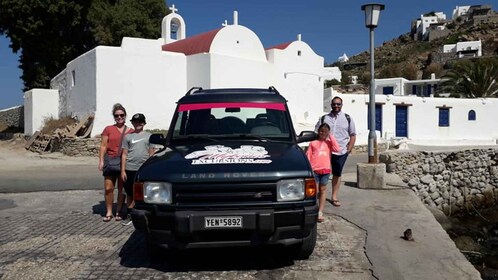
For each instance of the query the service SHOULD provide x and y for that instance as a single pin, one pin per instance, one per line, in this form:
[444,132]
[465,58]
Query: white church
[148,76]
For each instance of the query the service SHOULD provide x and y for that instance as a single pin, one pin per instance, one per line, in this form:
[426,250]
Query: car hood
[230,161]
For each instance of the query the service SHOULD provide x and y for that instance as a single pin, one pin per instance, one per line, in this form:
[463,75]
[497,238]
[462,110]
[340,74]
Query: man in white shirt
[343,128]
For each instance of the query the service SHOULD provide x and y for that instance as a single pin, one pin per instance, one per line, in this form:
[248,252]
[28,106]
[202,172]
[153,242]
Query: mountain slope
[403,55]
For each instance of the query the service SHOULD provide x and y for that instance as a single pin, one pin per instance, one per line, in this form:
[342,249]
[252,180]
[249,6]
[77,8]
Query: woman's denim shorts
[322,179]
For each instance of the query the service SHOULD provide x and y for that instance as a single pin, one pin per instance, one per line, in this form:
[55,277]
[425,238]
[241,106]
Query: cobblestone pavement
[38,241]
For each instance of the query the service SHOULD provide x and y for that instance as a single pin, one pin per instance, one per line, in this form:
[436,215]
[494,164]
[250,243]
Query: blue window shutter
[444,117]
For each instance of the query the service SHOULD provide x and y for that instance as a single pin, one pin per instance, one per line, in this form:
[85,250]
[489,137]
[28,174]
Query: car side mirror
[157,139]
[306,136]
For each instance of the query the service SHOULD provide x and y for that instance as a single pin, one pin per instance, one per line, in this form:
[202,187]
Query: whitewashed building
[460,11]
[404,87]
[424,22]
[148,76]
[423,120]
[464,49]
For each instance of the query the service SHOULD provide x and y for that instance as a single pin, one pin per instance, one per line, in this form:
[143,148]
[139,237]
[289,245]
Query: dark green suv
[230,174]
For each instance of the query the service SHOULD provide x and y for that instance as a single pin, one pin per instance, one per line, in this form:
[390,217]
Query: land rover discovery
[230,174]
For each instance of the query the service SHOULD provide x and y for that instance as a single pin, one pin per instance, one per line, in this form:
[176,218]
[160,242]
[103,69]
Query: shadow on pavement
[99,209]
[134,254]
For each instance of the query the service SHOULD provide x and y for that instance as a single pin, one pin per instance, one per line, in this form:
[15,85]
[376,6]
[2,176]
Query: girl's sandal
[107,218]
[320,217]
[118,217]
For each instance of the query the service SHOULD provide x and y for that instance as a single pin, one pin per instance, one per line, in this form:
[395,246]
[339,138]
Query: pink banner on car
[200,106]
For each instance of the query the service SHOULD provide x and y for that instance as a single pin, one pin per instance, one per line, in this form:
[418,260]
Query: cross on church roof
[173,9]
[225,23]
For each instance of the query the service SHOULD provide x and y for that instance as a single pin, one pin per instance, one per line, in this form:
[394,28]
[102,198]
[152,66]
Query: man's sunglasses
[336,104]
[119,115]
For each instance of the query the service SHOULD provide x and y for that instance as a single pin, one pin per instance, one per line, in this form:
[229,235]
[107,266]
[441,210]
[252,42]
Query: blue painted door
[378,118]
[401,121]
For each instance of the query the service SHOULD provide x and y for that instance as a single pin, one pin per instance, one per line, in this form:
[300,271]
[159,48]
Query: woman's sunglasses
[119,115]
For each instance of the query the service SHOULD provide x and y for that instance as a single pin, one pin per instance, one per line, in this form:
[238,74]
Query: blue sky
[330,27]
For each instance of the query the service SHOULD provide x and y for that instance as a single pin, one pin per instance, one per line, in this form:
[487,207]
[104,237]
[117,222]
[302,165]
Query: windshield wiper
[253,136]
[196,137]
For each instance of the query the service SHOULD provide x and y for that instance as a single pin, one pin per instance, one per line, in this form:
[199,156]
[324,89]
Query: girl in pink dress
[318,154]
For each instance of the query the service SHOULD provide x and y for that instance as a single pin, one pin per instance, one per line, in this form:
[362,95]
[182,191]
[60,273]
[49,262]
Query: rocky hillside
[404,53]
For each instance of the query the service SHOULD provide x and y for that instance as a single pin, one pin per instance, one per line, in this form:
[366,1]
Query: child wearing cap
[136,150]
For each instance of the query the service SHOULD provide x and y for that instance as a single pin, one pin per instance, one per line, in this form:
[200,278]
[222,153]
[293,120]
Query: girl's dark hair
[118,106]
[326,125]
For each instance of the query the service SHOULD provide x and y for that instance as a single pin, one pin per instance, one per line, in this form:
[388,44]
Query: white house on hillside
[460,11]
[464,49]
[425,22]
[404,87]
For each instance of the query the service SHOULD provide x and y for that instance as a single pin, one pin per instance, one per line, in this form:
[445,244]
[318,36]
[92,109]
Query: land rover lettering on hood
[230,173]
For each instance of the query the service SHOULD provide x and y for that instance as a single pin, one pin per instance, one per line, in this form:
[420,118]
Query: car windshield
[214,121]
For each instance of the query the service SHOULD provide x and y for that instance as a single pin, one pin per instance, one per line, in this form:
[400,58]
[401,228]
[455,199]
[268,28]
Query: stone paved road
[60,235]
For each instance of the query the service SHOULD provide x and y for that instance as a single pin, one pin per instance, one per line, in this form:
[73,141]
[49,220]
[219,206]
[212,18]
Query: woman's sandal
[118,218]
[107,218]
[320,217]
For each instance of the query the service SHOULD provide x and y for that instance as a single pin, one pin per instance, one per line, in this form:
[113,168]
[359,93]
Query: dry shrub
[50,124]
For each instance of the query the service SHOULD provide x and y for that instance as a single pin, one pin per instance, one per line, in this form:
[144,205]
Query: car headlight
[157,192]
[290,190]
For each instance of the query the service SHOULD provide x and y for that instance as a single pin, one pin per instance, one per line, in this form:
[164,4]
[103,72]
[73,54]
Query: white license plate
[223,222]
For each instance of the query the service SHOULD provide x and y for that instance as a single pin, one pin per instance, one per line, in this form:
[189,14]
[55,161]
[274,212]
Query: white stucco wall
[330,73]
[198,73]
[39,104]
[239,42]
[148,82]
[298,72]
[81,96]
[230,71]
[423,119]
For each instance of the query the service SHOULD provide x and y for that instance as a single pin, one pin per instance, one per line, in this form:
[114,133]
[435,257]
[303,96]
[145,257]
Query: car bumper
[186,229]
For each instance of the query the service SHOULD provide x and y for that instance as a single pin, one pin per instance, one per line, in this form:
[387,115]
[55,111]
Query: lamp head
[372,13]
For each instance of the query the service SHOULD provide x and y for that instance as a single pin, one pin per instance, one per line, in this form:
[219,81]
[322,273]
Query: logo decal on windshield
[219,154]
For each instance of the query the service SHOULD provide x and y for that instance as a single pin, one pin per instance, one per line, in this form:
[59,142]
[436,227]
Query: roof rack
[272,88]
[192,90]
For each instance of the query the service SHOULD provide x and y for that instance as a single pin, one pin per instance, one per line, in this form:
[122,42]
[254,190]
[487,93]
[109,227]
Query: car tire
[303,250]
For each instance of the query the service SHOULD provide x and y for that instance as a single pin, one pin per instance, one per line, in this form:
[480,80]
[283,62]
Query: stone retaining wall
[13,117]
[450,181]
[76,146]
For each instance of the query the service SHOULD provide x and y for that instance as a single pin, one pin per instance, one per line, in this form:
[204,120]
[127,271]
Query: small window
[388,90]
[298,53]
[73,78]
[444,117]
[472,115]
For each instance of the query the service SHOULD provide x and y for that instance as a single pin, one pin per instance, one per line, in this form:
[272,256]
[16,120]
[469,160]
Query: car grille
[232,193]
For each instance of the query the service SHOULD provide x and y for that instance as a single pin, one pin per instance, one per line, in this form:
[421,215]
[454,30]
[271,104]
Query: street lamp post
[372,13]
